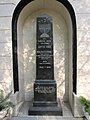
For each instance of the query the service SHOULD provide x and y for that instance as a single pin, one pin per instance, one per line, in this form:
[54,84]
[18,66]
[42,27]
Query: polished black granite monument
[45,87]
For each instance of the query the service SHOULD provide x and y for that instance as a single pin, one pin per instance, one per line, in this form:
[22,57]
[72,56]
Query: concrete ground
[67,114]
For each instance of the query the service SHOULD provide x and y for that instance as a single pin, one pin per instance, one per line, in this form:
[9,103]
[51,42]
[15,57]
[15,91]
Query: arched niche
[28,10]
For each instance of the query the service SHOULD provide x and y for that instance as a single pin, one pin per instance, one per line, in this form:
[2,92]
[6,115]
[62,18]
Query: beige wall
[26,49]
[6,11]
[29,42]
[82,9]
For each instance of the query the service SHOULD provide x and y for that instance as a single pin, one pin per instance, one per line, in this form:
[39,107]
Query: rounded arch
[21,5]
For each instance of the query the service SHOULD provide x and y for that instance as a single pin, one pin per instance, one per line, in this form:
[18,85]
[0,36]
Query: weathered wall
[29,46]
[6,11]
[82,10]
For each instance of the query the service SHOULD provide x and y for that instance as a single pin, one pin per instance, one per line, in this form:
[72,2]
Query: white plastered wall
[62,47]
[29,39]
[82,10]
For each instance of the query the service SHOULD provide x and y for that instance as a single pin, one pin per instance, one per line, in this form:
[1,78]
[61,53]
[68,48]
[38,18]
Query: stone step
[44,118]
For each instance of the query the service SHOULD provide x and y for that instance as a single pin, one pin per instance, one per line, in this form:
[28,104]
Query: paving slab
[44,118]
[23,114]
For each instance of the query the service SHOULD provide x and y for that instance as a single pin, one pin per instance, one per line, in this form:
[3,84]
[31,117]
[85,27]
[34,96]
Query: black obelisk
[45,87]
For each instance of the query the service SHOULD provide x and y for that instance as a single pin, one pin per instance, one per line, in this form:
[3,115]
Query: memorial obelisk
[45,87]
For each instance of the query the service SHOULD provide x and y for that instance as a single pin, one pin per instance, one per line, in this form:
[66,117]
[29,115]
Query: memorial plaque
[44,50]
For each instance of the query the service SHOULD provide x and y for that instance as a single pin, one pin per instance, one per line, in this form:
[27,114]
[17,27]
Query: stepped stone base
[23,114]
[46,108]
[45,111]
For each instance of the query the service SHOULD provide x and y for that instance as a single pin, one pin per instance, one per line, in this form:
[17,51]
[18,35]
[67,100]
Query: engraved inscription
[44,53]
[44,29]
[45,89]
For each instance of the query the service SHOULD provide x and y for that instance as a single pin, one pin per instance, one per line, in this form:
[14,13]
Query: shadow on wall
[6,80]
[83,50]
[5,61]
[29,52]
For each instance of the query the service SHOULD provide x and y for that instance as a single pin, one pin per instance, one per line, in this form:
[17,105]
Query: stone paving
[45,118]
[23,114]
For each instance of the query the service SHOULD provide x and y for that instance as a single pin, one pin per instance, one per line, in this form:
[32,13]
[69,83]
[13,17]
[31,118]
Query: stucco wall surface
[82,10]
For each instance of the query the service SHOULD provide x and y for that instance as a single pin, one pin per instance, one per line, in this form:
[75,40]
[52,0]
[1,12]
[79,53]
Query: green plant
[85,103]
[4,101]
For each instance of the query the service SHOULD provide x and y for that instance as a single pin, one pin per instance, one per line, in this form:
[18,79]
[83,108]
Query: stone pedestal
[45,87]
[48,111]
[45,99]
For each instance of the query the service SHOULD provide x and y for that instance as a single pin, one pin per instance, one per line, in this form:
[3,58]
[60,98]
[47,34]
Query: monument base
[45,99]
[46,110]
